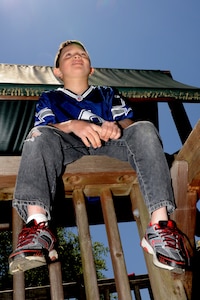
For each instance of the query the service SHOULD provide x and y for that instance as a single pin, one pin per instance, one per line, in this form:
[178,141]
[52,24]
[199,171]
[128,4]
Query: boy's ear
[91,71]
[56,72]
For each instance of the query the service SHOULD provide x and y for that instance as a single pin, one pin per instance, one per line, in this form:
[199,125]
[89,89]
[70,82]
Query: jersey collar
[75,96]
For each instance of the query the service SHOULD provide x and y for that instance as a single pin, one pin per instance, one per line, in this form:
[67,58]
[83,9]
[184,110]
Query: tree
[5,250]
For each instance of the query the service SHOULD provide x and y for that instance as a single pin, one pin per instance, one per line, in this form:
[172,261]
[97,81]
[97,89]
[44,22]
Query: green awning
[27,80]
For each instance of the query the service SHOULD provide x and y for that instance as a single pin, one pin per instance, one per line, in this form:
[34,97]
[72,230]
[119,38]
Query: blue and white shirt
[96,105]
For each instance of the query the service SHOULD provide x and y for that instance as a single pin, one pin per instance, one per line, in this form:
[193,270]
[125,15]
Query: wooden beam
[165,284]
[87,170]
[9,165]
[181,119]
[190,152]
[186,199]
[116,251]
[89,270]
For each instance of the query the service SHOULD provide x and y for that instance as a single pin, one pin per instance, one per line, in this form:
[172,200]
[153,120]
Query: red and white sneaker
[35,245]
[166,243]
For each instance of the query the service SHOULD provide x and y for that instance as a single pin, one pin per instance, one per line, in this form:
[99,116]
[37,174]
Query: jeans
[47,151]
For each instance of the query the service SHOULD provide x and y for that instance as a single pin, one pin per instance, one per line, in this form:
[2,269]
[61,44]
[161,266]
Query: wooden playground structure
[103,177]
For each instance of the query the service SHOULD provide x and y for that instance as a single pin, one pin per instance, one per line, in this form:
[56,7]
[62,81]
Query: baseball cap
[63,45]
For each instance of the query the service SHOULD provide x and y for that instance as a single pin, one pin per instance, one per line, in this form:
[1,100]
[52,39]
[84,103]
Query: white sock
[38,218]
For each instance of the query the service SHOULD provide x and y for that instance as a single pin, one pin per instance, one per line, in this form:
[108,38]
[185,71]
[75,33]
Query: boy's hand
[110,131]
[91,134]
[88,132]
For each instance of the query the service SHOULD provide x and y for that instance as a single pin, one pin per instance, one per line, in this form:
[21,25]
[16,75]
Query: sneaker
[165,242]
[35,246]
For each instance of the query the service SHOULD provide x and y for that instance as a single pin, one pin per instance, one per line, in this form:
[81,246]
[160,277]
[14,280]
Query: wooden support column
[117,256]
[89,270]
[55,277]
[18,278]
[163,283]
[185,213]
[185,198]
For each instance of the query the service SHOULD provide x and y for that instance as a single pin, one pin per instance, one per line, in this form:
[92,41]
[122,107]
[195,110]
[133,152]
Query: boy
[78,120]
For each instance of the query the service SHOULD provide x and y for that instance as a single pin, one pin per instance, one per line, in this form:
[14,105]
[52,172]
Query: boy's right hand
[89,133]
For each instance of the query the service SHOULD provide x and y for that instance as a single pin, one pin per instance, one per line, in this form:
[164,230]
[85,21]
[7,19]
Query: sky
[128,34]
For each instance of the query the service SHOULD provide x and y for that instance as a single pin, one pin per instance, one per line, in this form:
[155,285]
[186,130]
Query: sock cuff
[38,218]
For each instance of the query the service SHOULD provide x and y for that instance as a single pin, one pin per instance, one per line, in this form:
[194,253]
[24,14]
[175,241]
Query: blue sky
[132,34]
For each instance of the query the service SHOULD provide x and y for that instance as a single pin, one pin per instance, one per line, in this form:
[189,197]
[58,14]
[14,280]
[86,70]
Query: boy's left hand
[109,130]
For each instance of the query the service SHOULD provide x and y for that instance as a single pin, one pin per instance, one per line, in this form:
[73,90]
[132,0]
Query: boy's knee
[36,133]
[143,127]
[144,124]
[142,132]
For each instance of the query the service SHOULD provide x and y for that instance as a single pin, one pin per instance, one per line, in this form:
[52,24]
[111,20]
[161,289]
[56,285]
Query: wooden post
[18,278]
[185,213]
[89,270]
[55,277]
[163,284]
[119,267]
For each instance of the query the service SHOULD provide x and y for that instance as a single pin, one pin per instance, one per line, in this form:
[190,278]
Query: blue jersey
[96,105]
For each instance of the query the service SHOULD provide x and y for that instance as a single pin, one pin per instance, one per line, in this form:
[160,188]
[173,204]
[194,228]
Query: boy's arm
[125,123]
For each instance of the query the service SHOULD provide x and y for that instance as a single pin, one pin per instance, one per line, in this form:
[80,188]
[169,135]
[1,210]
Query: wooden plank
[72,289]
[98,164]
[190,152]
[86,166]
[92,184]
[185,213]
[9,165]
[89,170]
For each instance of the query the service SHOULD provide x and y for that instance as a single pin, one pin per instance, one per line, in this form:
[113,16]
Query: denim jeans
[48,150]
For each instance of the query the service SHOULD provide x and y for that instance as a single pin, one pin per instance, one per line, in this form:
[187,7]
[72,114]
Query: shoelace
[28,233]
[171,237]
[174,239]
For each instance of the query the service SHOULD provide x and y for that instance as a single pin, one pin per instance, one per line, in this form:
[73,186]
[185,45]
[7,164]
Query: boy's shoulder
[106,89]
[53,93]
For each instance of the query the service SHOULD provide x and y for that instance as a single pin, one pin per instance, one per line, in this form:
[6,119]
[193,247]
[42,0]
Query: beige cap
[63,45]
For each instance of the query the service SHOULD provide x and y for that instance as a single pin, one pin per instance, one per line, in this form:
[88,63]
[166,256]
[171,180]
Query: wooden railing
[77,290]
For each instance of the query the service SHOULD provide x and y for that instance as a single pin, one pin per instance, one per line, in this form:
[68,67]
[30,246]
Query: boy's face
[73,62]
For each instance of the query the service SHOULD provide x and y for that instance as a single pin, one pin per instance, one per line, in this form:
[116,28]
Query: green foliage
[70,257]
[5,250]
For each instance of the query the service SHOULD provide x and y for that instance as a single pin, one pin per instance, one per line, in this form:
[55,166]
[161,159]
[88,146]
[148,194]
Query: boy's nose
[77,55]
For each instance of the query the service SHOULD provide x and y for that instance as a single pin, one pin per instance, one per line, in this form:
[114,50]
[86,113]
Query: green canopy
[27,80]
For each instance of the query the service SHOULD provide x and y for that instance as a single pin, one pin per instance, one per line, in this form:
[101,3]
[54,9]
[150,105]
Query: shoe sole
[24,261]
[22,264]
[147,247]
